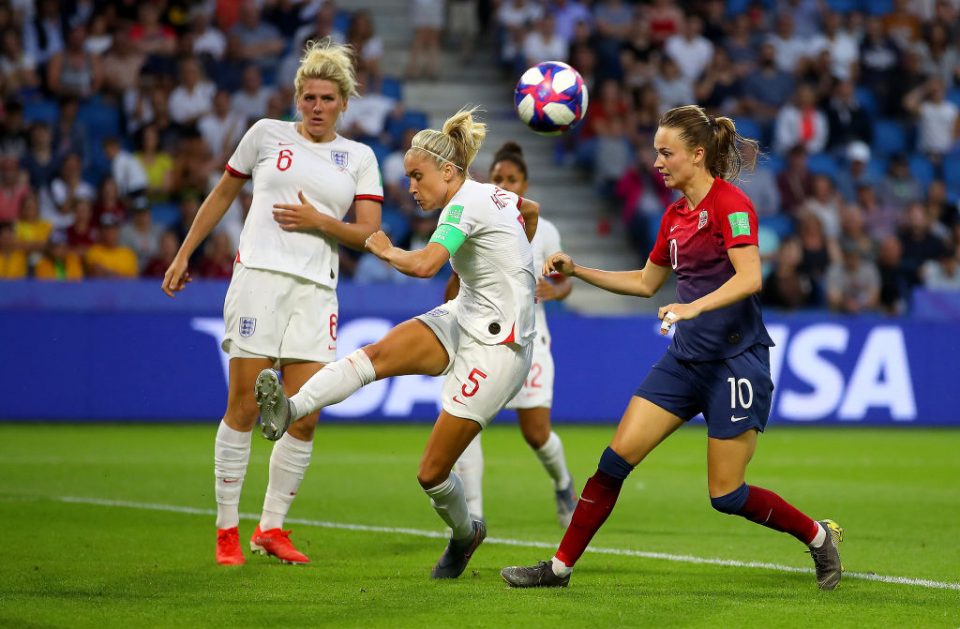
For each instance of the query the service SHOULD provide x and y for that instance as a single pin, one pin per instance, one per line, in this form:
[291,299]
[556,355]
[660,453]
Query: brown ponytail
[718,136]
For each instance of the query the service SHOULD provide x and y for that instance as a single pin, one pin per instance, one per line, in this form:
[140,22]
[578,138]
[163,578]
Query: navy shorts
[733,394]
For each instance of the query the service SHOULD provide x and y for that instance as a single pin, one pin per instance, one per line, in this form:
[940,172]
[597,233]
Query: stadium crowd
[118,117]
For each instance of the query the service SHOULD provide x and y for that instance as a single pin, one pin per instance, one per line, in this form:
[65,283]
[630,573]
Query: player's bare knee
[430,474]
[535,436]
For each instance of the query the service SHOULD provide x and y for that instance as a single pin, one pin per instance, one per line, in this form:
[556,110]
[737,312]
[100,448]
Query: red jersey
[694,244]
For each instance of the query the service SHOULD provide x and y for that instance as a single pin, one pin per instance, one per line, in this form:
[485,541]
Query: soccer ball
[551,98]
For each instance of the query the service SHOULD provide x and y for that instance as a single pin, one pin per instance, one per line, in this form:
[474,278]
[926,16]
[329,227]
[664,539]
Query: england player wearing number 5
[719,361]
[281,308]
[482,342]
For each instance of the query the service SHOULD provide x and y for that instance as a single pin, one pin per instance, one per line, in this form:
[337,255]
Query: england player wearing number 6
[281,307]
[482,341]
[719,361]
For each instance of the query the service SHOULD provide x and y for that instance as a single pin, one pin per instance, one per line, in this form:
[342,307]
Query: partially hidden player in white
[482,341]
[533,402]
[281,307]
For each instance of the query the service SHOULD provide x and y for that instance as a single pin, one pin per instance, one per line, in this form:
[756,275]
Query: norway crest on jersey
[340,158]
[703,219]
[247,326]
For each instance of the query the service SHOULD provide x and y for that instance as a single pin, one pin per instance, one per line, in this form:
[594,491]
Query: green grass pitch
[109,525]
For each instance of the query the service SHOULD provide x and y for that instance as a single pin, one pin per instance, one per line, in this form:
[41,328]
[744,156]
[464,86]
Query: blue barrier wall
[108,351]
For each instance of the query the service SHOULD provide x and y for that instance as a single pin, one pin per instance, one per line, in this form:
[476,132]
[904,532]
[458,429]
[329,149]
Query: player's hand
[546,290]
[671,313]
[559,262]
[297,216]
[378,243]
[176,278]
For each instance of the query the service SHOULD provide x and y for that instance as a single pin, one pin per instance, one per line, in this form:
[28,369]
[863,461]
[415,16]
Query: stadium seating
[889,137]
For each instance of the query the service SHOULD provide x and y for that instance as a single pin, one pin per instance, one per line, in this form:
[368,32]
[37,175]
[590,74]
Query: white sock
[559,568]
[820,537]
[554,461]
[288,464]
[469,468]
[451,505]
[231,453]
[334,383]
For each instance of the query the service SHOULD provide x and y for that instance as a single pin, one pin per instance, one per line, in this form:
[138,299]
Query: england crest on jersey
[703,219]
[339,158]
[247,326]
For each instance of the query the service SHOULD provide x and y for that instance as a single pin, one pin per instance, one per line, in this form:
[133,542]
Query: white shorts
[537,391]
[282,317]
[480,379]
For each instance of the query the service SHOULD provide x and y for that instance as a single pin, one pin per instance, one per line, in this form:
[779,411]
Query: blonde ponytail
[457,143]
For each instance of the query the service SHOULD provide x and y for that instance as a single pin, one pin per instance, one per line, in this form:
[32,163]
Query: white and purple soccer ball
[551,98]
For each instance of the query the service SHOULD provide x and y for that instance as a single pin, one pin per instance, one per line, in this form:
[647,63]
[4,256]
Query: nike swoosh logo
[230,480]
[458,401]
[673,228]
[285,143]
[735,419]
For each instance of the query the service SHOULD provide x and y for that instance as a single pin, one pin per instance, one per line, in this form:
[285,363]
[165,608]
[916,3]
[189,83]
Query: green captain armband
[450,237]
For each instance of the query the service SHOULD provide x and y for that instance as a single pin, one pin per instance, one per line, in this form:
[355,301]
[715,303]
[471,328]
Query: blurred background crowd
[118,117]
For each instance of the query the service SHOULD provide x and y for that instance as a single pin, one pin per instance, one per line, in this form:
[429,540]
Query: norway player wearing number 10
[281,306]
[482,341]
[719,361]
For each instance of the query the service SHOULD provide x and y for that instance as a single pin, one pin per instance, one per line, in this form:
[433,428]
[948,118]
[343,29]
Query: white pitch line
[620,552]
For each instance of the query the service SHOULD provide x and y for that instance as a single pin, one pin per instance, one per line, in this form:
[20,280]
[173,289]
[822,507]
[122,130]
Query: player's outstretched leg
[458,552]
[826,557]
[276,411]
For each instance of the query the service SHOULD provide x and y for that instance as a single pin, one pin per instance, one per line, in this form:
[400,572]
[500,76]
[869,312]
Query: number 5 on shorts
[476,383]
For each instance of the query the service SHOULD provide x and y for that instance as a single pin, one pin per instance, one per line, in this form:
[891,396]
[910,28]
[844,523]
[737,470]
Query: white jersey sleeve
[369,182]
[244,159]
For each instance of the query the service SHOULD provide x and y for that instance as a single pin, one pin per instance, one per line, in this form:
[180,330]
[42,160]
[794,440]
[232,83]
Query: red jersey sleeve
[738,220]
[660,252]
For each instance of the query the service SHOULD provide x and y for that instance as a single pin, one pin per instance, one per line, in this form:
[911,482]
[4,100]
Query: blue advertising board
[86,361]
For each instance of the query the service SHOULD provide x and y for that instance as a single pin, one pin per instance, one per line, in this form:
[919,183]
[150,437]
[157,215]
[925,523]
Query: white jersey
[546,242]
[482,228]
[281,162]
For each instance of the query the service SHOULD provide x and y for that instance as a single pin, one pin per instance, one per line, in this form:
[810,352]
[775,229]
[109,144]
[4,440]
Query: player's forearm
[208,216]
[412,263]
[353,235]
[620,282]
[737,288]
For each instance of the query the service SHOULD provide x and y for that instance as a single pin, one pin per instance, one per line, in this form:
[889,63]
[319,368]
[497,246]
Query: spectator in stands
[193,96]
[673,88]
[791,49]
[43,36]
[879,59]
[13,129]
[795,182]
[942,274]
[166,252]
[856,159]
[786,287]
[465,26]
[853,232]
[569,13]
[18,70]
[156,163]
[31,231]
[741,44]
[318,30]
[284,14]
[542,43]
[665,20]
[806,15]
[254,40]
[141,234]
[847,120]
[39,161]
[939,206]
[881,216]
[99,39]
[612,25]
[208,41]
[642,196]
[843,47]
[191,166]
[157,41]
[918,242]
[222,128]
[122,64]
[801,123]
[515,17]
[766,89]
[69,133]
[73,71]
[938,119]
[761,184]
[689,48]
[853,285]
[108,200]
[84,232]
[70,185]
[938,56]
[13,259]
[251,101]
[108,258]
[819,252]
[901,24]
[59,263]
[720,89]
[126,170]
[898,187]
[824,203]
[894,281]
[367,47]
[395,181]
[218,257]
[14,188]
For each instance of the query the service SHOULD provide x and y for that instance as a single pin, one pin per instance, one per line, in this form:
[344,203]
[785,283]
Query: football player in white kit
[281,307]
[533,402]
[482,341]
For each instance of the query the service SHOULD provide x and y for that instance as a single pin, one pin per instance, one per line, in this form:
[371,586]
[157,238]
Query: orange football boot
[276,543]
[228,548]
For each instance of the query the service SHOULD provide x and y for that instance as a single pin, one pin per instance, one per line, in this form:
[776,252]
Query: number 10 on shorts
[740,390]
